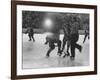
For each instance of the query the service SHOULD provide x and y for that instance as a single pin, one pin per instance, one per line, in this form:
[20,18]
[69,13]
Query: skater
[53,39]
[74,38]
[30,34]
[66,38]
[86,33]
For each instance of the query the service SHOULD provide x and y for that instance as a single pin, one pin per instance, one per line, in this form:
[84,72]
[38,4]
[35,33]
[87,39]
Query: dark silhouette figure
[66,38]
[30,34]
[86,35]
[52,40]
[74,39]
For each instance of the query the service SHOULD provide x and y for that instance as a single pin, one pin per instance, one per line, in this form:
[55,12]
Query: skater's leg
[79,47]
[29,37]
[85,38]
[72,51]
[59,47]
[88,37]
[51,47]
[64,43]
[74,38]
[48,53]
[68,46]
[33,37]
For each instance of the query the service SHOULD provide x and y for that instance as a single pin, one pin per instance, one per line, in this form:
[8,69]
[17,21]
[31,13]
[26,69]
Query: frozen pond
[34,54]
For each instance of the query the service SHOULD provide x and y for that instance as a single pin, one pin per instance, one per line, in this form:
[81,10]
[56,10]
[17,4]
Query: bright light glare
[48,23]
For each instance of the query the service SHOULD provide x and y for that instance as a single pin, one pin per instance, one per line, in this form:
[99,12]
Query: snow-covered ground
[34,54]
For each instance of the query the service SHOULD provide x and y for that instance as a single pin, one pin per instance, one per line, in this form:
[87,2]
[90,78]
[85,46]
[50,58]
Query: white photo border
[21,71]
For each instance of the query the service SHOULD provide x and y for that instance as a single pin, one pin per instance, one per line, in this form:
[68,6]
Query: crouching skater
[53,39]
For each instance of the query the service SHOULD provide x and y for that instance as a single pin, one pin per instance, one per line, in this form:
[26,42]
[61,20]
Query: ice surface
[34,54]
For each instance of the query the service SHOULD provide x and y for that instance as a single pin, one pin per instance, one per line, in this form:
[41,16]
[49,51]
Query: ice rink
[34,54]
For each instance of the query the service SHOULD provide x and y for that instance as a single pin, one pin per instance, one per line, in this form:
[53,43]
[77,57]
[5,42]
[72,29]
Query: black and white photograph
[53,40]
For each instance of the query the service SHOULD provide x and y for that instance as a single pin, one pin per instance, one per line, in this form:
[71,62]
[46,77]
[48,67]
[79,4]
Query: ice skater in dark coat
[30,32]
[74,38]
